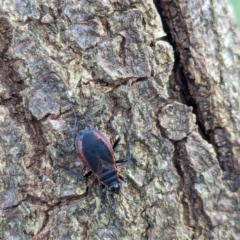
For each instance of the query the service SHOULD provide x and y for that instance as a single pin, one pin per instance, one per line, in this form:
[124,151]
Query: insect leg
[122,178]
[79,177]
[119,136]
[84,177]
[116,142]
[126,158]
[88,174]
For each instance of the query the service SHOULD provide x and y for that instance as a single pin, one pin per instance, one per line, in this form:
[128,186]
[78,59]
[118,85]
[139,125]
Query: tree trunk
[164,73]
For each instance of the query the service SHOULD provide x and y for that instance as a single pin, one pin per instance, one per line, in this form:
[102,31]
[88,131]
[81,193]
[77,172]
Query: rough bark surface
[172,89]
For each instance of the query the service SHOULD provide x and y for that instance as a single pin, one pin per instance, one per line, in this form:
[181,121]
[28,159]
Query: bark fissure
[195,215]
[189,93]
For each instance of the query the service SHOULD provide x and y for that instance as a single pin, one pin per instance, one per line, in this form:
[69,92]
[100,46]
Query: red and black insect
[97,154]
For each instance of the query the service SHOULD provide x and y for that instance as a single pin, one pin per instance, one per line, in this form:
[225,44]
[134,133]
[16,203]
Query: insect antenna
[111,214]
[129,199]
[113,210]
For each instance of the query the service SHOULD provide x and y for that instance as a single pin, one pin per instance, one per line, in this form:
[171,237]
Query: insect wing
[105,147]
[96,151]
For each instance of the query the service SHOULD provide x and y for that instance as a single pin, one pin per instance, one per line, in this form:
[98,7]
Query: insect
[97,154]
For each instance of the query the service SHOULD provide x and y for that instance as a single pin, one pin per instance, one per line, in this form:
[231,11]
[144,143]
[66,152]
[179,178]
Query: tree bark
[164,73]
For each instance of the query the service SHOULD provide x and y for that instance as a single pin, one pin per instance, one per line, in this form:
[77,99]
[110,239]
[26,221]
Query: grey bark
[165,74]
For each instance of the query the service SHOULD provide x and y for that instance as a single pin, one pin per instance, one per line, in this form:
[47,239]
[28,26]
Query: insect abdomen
[108,176]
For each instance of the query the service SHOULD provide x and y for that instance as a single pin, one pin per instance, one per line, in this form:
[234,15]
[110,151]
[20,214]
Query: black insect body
[97,154]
